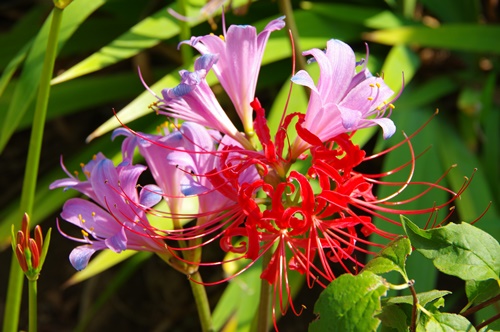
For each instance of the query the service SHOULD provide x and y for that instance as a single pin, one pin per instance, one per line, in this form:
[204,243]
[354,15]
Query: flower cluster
[301,202]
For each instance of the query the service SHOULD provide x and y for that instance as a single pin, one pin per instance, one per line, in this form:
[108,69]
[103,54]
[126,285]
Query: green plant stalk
[265,307]
[184,34]
[201,299]
[14,290]
[32,297]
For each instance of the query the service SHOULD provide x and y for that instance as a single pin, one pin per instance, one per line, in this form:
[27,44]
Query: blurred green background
[448,51]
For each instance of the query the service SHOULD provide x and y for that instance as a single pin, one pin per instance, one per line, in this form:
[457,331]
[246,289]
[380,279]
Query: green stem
[184,34]
[14,292]
[265,303]
[201,299]
[32,294]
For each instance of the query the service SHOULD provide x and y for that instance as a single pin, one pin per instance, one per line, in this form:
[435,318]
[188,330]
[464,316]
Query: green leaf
[145,34]
[394,317]
[392,258]
[101,262]
[448,323]
[480,291]
[239,301]
[401,63]
[426,170]
[454,10]
[461,250]
[350,303]
[28,83]
[137,108]
[374,18]
[474,200]
[459,37]
[423,298]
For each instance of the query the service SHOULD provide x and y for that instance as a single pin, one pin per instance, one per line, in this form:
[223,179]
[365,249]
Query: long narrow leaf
[459,37]
[28,83]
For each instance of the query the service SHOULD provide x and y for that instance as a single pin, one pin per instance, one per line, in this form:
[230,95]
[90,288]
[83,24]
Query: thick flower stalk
[252,199]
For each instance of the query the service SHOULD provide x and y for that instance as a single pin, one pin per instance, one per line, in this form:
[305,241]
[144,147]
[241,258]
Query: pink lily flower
[342,100]
[116,219]
[240,53]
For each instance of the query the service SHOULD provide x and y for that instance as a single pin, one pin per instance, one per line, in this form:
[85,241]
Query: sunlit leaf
[99,263]
[401,64]
[370,17]
[391,258]
[461,250]
[350,303]
[238,304]
[448,323]
[394,317]
[459,37]
[26,90]
[480,291]
[423,298]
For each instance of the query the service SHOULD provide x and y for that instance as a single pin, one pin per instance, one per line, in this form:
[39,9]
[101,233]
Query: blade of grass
[28,83]
[14,290]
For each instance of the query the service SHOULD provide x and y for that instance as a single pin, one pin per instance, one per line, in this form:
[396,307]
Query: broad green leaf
[350,303]
[458,37]
[392,258]
[454,10]
[374,18]
[101,262]
[480,291]
[423,298]
[26,90]
[448,323]
[475,199]
[401,64]
[394,317]
[415,96]
[461,250]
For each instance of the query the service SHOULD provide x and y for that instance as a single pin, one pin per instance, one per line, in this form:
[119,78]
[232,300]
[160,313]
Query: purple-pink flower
[116,219]
[342,100]
[240,52]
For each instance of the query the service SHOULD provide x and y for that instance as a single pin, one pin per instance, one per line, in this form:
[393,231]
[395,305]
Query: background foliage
[449,54]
